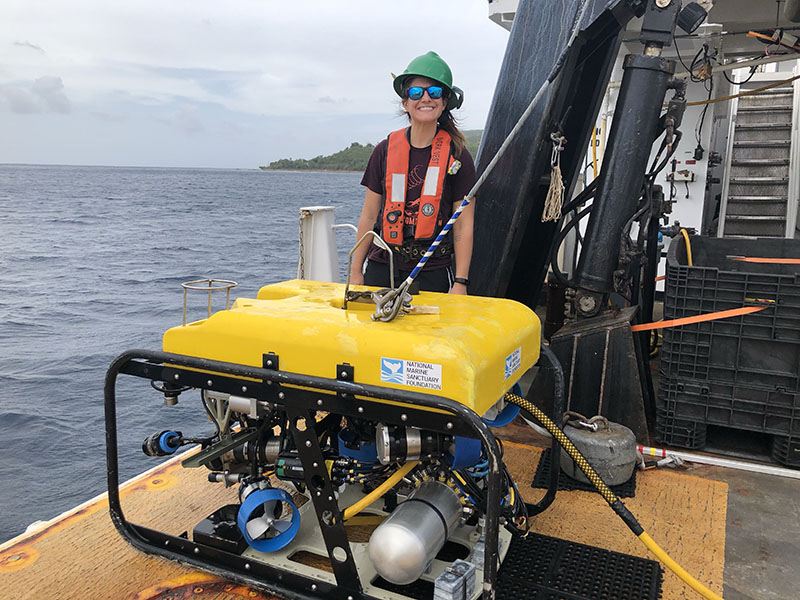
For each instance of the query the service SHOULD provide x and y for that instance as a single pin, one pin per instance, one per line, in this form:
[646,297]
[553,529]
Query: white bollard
[319,260]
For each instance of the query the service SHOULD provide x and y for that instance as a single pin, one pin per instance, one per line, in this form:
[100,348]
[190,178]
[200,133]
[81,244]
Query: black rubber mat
[540,567]
[541,479]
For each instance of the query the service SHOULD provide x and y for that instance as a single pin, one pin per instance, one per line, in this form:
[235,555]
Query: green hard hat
[432,66]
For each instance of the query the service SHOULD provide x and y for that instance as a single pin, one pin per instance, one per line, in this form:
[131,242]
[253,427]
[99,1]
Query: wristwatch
[462,280]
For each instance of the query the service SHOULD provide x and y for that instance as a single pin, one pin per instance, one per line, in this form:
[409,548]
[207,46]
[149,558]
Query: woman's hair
[446,121]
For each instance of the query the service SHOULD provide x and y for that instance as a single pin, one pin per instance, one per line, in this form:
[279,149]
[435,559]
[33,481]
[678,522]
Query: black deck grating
[541,479]
[575,571]
[540,567]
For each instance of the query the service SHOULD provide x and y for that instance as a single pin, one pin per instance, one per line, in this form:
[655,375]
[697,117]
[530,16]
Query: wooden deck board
[81,555]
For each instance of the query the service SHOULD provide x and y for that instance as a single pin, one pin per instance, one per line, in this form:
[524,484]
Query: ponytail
[447,122]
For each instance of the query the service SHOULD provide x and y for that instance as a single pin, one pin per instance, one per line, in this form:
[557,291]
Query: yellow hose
[676,568]
[357,507]
[741,94]
[609,496]
[594,151]
[685,235]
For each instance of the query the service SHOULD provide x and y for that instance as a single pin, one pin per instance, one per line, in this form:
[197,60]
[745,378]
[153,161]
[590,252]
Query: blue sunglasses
[416,92]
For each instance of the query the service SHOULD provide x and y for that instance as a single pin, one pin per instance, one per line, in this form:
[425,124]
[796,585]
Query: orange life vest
[396,184]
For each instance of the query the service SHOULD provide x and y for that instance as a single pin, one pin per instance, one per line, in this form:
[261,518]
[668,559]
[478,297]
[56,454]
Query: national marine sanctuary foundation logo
[411,372]
[513,362]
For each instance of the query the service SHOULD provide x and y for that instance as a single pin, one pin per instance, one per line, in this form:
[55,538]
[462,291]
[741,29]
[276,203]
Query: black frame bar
[300,396]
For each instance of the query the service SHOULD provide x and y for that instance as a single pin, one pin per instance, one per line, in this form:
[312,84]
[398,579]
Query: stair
[756,194]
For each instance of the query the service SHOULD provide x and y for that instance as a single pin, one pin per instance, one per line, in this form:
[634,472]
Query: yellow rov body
[471,349]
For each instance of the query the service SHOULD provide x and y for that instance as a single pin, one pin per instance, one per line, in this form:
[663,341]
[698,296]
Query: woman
[415,179]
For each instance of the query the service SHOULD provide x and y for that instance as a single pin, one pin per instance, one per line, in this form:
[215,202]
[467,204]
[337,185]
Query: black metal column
[636,116]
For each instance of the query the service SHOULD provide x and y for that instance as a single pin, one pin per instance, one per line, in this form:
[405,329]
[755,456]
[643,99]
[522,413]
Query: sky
[235,84]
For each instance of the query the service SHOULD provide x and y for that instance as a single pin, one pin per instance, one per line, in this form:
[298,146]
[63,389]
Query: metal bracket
[345,372]
[330,518]
[220,448]
[270,361]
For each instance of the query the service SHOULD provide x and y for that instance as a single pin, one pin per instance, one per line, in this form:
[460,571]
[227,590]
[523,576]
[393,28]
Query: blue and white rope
[442,234]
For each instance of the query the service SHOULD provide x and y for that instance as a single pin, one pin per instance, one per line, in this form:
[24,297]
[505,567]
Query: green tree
[353,158]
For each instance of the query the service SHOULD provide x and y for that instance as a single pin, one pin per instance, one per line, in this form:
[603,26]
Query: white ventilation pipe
[319,260]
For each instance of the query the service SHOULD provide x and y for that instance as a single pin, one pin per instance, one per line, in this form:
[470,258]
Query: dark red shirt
[455,188]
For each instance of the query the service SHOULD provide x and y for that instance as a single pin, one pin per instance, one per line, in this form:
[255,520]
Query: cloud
[218,82]
[106,116]
[51,91]
[45,94]
[20,100]
[229,128]
[27,44]
[186,119]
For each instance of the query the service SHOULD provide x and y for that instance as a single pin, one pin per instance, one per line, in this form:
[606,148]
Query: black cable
[698,130]
[549,361]
[518,508]
[559,239]
[749,77]
[663,145]
[680,58]
[704,52]
[626,230]
[585,194]
[653,172]
[690,70]
[470,488]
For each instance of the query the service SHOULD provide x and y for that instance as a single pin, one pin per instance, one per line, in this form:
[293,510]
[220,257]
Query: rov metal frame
[300,396]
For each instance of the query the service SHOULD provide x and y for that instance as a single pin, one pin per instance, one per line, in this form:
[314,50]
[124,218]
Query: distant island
[353,158]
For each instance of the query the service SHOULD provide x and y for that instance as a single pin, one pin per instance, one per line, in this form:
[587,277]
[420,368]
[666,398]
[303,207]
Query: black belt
[415,252]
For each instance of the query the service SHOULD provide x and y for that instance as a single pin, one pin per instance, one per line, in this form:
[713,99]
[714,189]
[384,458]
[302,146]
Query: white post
[319,260]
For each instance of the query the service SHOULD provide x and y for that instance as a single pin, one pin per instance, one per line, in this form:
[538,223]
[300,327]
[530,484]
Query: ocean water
[91,262]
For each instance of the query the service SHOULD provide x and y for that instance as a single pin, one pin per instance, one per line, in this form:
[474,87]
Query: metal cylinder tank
[403,546]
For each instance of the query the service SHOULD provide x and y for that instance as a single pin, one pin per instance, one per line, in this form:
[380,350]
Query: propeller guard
[256,500]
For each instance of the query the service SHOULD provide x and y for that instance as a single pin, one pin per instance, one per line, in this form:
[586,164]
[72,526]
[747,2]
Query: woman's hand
[356,278]
[459,288]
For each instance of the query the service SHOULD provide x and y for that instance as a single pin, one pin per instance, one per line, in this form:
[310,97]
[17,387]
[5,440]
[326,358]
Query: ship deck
[735,531]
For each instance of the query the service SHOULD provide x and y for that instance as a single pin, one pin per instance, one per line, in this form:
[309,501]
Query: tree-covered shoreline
[353,158]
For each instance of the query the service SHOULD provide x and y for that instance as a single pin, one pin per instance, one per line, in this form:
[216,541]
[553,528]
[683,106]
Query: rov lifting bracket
[300,396]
